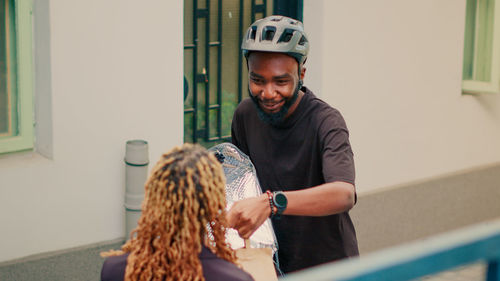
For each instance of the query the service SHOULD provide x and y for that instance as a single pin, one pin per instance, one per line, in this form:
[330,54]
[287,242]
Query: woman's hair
[183,208]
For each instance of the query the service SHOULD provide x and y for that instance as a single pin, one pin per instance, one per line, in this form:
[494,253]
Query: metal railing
[433,255]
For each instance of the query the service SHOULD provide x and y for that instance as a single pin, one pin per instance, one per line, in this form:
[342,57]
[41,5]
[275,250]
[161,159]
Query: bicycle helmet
[278,34]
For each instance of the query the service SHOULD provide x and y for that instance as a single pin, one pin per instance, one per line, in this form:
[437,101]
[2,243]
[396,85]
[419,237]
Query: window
[481,69]
[16,101]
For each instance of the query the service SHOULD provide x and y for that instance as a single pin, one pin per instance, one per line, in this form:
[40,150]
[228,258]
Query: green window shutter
[481,69]
[16,86]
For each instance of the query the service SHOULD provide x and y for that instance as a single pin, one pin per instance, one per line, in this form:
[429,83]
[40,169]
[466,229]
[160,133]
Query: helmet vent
[252,32]
[303,40]
[286,36]
[268,33]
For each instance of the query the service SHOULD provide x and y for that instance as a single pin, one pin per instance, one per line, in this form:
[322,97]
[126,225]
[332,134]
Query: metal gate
[215,74]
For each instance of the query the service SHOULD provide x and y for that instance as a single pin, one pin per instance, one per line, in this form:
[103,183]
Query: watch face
[280,200]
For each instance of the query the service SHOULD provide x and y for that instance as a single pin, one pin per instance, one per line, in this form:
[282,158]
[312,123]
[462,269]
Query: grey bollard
[136,172]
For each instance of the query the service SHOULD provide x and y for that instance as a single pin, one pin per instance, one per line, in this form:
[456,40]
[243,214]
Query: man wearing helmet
[300,148]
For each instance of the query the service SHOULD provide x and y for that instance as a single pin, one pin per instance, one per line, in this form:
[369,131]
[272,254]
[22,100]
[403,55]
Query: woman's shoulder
[113,268]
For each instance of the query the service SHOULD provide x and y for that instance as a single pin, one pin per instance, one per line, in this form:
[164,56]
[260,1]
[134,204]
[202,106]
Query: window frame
[24,140]
[478,59]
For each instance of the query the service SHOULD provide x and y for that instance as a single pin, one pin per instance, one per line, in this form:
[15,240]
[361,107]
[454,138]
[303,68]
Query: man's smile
[271,106]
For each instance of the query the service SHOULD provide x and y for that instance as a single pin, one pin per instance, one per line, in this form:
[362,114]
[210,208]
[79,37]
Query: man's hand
[248,214]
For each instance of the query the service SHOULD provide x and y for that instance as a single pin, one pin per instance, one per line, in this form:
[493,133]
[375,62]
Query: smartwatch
[280,202]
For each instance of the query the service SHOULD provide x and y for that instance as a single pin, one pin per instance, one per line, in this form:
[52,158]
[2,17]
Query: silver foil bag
[241,183]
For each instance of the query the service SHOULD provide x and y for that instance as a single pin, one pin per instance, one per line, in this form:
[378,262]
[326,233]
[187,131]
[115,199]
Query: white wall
[116,75]
[393,68]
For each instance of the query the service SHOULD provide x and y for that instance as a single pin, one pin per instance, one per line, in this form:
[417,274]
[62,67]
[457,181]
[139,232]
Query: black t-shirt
[310,148]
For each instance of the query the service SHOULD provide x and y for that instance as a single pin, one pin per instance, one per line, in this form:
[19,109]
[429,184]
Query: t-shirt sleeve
[337,155]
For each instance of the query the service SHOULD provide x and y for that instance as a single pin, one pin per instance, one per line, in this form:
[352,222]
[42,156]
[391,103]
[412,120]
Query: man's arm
[322,200]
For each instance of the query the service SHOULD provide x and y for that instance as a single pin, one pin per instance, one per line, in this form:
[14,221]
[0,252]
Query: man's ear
[302,72]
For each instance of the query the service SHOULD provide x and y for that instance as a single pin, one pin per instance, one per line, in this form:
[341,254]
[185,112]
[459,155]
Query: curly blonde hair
[183,209]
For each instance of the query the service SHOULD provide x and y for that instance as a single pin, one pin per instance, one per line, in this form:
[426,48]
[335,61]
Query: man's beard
[277,118]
